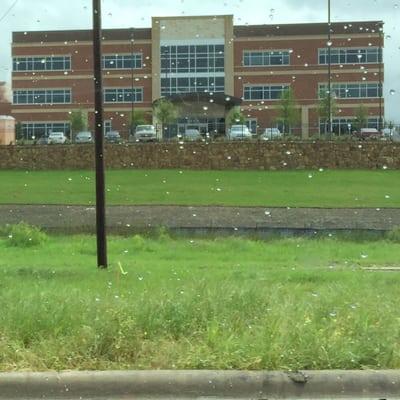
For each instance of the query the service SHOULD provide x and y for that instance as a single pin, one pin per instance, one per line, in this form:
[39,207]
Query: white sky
[76,14]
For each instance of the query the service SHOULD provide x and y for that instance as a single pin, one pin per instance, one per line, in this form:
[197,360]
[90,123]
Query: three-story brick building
[204,64]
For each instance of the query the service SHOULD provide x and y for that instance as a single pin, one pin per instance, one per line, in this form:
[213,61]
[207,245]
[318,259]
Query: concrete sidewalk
[127,219]
[261,385]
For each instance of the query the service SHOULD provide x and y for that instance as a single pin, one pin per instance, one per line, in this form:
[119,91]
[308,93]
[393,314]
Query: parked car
[239,132]
[84,137]
[368,133]
[57,138]
[113,137]
[271,133]
[388,132]
[43,140]
[192,135]
[145,133]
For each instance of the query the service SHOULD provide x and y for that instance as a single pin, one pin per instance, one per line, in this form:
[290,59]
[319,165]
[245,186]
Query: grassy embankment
[225,303]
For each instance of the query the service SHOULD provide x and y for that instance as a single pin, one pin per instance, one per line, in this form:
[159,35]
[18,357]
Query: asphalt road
[125,219]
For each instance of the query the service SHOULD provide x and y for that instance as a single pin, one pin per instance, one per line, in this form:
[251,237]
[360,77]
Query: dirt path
[126,218]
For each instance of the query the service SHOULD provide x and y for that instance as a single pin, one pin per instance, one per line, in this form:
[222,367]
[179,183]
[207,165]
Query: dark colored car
[43,140]
[113,137]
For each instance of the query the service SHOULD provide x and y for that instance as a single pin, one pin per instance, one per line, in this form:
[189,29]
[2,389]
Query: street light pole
[329,43]
[132,86]
[99,142]
[380,60]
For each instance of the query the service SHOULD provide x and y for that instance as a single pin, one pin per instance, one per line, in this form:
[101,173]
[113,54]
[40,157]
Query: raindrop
[392,92]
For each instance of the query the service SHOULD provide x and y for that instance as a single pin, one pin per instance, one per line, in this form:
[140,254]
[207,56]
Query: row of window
[264,92]
[187,85]
[350,56]
[184,85]
[47,96]
[352,90]
[200,58]
[266,58]
[192,59]
[31,130]
[63,96]
[123,95]
[35,130]
[123,61]
[42,63]
[344,125]
[63,63]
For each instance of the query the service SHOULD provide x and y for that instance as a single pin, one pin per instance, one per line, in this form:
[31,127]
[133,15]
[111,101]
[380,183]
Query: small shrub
[394,234]
[139,242]
[24,235]
[163,234]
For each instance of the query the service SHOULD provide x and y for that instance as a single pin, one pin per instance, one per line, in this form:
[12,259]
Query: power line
[9,10]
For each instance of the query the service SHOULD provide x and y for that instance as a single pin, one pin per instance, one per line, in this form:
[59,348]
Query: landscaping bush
[394,234]
[25,235]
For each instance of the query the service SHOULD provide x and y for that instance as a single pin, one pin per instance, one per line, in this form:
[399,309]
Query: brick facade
[303,74]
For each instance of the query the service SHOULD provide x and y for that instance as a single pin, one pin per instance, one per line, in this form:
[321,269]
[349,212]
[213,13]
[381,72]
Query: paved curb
[201,384]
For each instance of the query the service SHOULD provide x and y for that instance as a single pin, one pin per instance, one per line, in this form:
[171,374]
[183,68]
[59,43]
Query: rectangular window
[123,61]
[190,85]
[265,58]
[123,95]
[42,63]
[264,92]
[194,59]
[35,130]
[252,125]
[357,90]
[42,96]
[344,126]
[107,125]
[366,55]
[192,68]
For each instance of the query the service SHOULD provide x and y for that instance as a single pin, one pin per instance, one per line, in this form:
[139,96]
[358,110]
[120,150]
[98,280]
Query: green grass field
[232,188]
[226,303]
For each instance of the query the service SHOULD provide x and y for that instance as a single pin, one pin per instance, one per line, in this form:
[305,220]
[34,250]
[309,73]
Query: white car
[84,137]
[388,132]
[57,138]
[239,132]
[145,133]
[271,133]
[192,135]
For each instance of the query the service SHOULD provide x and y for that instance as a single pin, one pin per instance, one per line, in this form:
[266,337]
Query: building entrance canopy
[203,111]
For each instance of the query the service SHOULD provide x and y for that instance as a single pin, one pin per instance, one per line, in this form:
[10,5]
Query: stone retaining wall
[217,155]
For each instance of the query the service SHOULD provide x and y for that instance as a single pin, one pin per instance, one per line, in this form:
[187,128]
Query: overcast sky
[28,15]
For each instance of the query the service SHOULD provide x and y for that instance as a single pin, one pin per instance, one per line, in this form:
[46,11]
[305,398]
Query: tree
[78,120]
[18,131]
[138,117]
[165,112]
[288,113]
[361,119]
[236,117]
[323,109]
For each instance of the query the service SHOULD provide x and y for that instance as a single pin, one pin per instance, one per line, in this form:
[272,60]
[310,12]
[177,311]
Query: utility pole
[99,141]
[329,43]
